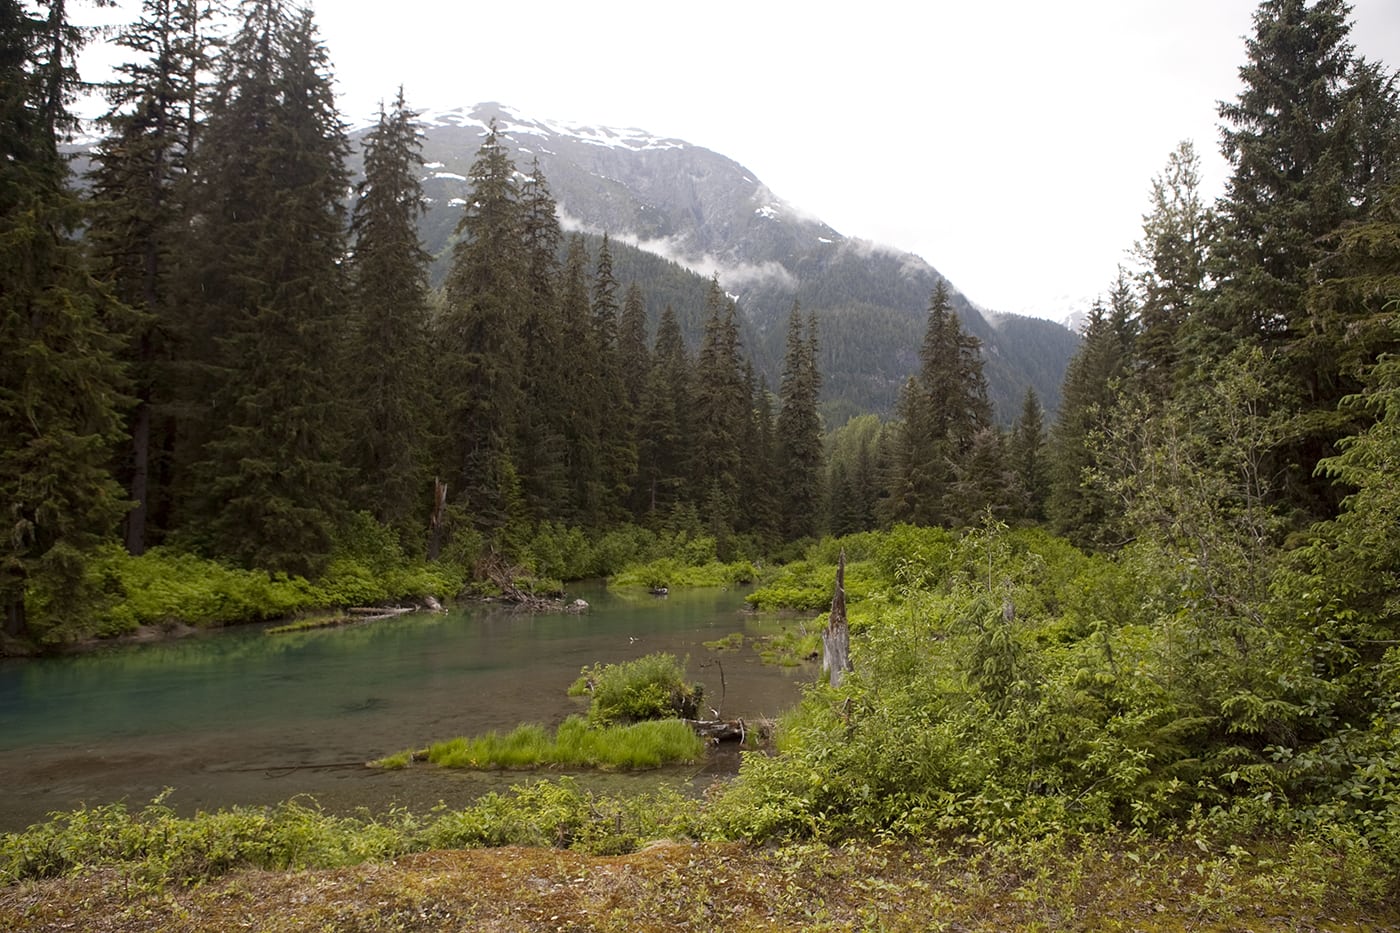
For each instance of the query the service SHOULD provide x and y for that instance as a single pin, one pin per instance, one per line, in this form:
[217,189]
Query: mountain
[701,212]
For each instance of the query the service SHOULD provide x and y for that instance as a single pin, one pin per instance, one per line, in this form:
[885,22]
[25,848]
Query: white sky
[1011,143]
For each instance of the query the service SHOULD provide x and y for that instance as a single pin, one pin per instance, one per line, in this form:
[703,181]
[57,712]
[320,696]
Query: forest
[1168,614]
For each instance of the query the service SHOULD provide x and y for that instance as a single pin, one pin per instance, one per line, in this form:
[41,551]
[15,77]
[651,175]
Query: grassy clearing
[574,744]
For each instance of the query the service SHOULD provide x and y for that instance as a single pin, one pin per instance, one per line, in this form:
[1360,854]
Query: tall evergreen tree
[543,431]
[388,337]
[1026,459]
[138,208]
[1172,255]
[759,512]
[665,427]
[268,258]
[721,406]
[1078,508]
[60,382]
[943,411]
[1312,138]
[634,358]
[582,401]
[485,297]
[799,455]
[618,445]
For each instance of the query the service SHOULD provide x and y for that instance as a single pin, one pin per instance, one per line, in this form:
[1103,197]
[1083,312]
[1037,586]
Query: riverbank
[672,885]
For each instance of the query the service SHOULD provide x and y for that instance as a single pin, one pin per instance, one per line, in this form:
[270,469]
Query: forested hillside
[705,211]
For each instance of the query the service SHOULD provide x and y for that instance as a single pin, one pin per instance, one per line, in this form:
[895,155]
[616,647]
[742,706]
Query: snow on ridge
[450,176]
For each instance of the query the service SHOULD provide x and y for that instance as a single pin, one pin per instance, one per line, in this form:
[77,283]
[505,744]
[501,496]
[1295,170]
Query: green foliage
[668,572]
[158,846]
[109,592]
[559,813]
[808,587]
[575,744]
[651,687]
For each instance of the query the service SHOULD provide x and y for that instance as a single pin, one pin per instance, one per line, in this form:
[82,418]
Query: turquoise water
[242,717]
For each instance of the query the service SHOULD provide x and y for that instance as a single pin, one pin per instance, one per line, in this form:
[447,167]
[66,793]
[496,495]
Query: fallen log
[719,730]
[381,612]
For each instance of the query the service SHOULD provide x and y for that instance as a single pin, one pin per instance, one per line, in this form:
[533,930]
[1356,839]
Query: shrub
[651,687]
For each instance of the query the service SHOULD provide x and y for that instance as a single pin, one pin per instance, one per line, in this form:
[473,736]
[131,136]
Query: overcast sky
[1011,143]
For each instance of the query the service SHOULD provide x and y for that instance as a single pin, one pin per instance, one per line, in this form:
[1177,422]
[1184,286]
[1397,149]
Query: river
[242,717]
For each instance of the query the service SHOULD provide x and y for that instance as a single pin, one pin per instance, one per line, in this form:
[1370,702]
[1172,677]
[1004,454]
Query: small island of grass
[633,747]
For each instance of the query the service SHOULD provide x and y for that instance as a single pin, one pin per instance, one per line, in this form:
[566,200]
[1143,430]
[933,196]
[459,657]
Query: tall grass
[575,743]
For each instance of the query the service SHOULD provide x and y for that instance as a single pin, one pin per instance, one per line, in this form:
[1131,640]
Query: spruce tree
[480,334]
[942,411]
[759,512]
[582,401]
[138,209]
[61,387]
[542,436]
[634,358]
[1311,139]
[1026,460]
[799,431]
[1172,254]
[721,406]
[267,260]
[617,442]
[388,335]
[1078,507]
[665,428]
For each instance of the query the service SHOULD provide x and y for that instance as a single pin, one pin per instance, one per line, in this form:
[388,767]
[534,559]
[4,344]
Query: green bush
[651,687]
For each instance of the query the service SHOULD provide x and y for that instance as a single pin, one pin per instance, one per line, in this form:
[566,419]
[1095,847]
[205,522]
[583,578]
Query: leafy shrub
[651,687]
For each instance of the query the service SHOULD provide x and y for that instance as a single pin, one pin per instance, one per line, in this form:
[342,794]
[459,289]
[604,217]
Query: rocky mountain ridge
[712,216]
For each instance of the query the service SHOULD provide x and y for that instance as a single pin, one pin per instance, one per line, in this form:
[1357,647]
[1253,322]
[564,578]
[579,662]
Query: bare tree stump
[836,638]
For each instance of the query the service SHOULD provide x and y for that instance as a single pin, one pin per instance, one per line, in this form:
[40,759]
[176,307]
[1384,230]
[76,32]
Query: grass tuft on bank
[633,747]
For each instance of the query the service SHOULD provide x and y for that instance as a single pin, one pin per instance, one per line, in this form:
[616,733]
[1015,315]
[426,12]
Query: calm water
[241,717]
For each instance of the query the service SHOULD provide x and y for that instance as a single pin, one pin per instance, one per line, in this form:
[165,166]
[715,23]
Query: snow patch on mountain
[512,124]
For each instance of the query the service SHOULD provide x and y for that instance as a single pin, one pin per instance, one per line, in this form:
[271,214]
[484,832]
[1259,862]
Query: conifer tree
[60,383]
[582,399]
[759,512]
[1301,163]
[1172,254]
[664,434]
[721,406]
[138,207]
[1312,138]
[542,436]
[634,358]
[982,482]
[485,296]
[1026,460]
[388,336]
[798,458]
[618,446]
[942,412]
[270,290]
[1078,508]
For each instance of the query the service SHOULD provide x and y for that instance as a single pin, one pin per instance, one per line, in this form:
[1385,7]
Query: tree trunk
[140,479]
[836,638]
[16,625]
[435,522]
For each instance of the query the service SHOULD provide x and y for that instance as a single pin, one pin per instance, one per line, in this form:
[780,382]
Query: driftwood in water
[719,730]
[503,576]
[375,613]
[836,638]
